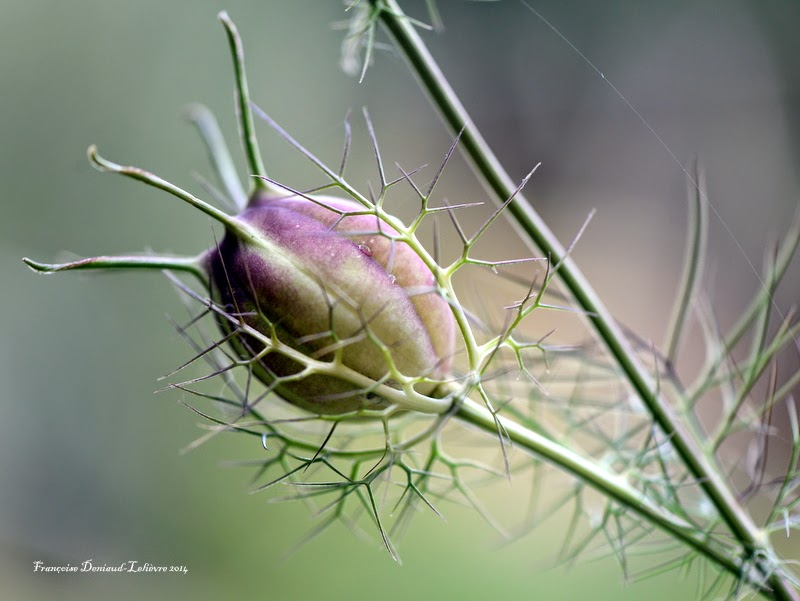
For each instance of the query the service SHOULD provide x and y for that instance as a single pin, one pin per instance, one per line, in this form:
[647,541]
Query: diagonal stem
[539,234]
[609,484]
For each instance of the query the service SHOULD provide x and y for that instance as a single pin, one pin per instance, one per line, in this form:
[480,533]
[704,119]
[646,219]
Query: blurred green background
[89,461]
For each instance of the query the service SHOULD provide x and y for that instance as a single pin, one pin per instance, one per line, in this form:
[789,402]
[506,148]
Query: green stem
[243,111]
[786,253]
[535,229]
[156,182]
[611,485]
[692,260]
[186,264]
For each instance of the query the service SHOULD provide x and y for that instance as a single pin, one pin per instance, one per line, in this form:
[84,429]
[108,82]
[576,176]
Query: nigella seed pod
[326,303]
[334,287]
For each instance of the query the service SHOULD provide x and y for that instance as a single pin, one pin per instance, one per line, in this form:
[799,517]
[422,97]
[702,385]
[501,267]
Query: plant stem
[156,182]
[539,234]
[247,129]
[611,485]
[158,263]
[692,261]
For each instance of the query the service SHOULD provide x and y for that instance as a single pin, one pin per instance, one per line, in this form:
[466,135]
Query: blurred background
[90,465]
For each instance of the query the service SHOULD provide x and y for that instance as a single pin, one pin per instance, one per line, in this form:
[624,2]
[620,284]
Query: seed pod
[334,286]
[327,304]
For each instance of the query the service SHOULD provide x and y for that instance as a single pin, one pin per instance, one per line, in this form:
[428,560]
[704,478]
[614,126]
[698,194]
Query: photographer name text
[127,567]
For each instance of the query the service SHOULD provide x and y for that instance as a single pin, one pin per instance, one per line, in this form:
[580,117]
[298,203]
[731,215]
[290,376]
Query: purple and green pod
[327,283]
[322,299]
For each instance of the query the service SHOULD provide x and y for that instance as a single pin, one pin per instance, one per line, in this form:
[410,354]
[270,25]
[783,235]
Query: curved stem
[692,261]
[190,265]
[536,231]
[786,253]
[247,129]
[153,180]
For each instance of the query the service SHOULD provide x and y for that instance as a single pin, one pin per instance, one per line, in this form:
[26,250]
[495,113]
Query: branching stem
[539,235]
[610,484]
